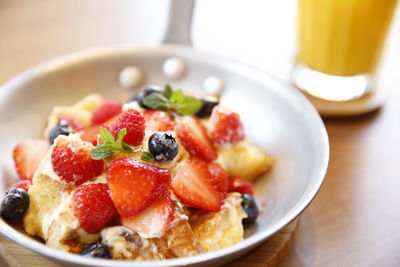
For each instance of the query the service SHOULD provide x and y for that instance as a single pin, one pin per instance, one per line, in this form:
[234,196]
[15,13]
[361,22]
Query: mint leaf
[168,91]
[184,104]
[107,136]
[157,101]
[101,152]
[147,157]
[126,147]
[111,146]
[121,135]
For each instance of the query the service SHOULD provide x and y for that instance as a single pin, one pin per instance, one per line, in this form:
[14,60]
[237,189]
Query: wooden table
[354,219]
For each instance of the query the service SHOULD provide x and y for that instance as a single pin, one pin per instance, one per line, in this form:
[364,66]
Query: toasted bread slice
[219,230]
[245,159]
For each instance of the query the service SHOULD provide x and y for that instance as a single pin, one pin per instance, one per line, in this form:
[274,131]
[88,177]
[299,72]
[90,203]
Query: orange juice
[342,37]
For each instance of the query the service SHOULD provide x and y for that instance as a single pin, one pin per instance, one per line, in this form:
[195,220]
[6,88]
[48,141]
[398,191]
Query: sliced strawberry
[134,185]
[194,137]
[219,177]
[23,184]
[193,185]
[27,156]
[90,134]
[159,121]
[107,110]
[155,220]
[133,121]
[225,126]
[92,205]
[72,162]
[241,185]
[75,124]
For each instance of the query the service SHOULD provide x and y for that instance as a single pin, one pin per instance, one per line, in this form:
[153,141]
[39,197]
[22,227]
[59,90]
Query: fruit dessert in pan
[165,175]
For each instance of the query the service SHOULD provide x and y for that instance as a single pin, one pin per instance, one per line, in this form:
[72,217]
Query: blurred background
[348,224]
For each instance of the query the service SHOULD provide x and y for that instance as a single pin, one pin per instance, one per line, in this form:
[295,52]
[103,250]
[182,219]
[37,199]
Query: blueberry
[96,250]
[14,204]
[144,92]
[62,128]
[249,205]
[163,146]
[208,105]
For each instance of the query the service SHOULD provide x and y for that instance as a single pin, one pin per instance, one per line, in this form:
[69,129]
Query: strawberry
[193,185]
[27,156]
[134,185]
[219,177]
[107,110]
[241,185]
[225,126]
[92,205]
[159,121]
[133,121]
[72,162]
[73,123]
[24,184]
[155,220]
[194,138]
[90,133]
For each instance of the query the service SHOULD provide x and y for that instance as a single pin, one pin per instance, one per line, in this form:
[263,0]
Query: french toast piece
[81,111]
[178,241]
[224,228]
[244,159]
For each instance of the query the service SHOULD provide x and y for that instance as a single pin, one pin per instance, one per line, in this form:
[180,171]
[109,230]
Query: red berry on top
[24,184]
[134,185]
[133,121]
[194,138]
[107,110]
[219,177]
[159,121]
[194,187]
[90,134]
[225,126]
[72,162]
[27,156]
[241,185]
[155,220]
[92,205]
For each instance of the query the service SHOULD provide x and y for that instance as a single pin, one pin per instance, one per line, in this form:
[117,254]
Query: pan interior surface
[278,118]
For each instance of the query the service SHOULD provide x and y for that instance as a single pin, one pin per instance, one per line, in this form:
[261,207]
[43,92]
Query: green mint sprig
[173,101]
[111,145]
[147,157]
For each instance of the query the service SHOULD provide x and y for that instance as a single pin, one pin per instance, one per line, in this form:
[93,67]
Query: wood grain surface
[354,219]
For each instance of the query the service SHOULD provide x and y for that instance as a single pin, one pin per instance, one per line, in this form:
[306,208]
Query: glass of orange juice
[339,46]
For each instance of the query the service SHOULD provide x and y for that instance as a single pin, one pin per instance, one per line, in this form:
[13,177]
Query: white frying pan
[276,117]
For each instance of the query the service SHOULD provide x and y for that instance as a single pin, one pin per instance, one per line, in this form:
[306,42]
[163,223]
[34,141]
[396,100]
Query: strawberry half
[72,162]
[193,185]
[107,110]
[134,185]
[219,177]
[194,138]
[24,184]
[159,121]
[225,126]
[27,156]
[155,220]
[90,133]
[241,185]
[92,205]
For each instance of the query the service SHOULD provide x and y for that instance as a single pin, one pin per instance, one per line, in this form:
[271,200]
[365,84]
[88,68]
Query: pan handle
[179,22]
